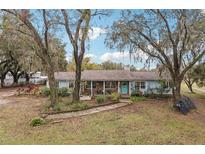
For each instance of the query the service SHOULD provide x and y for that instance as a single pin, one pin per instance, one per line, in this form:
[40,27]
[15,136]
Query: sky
[97,50]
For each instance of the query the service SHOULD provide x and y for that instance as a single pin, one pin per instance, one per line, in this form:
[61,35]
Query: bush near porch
[66,105]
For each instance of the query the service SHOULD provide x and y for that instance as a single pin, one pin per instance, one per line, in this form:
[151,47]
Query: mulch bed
[91,104]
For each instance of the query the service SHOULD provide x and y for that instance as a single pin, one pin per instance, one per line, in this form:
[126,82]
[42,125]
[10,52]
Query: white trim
[91,88]
[129,88]
[118,87]
[103,87]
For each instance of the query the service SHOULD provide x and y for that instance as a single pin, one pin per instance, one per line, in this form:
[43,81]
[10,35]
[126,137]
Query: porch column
[103,87]
[118,87]
[91,88]
[130,88]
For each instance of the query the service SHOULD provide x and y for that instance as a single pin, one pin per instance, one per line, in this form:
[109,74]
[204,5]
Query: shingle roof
[146,75]
[109,75]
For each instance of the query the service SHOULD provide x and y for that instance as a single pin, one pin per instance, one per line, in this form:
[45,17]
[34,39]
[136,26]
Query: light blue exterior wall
[155,84]
[63,84]
[152,84]
[140,89]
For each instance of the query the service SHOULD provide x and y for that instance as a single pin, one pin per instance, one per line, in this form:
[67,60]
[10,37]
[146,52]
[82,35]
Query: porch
[93,88]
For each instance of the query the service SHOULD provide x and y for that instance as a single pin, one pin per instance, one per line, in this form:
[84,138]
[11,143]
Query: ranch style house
[124,82]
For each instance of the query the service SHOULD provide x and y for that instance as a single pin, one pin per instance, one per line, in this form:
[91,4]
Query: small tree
[190,78]
[199,72]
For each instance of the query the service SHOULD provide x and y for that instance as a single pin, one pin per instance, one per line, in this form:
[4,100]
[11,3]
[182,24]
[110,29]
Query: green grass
[135,99]
[197,94]
[149,122]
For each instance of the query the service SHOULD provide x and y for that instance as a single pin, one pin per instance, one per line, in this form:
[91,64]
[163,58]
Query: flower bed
[66,105]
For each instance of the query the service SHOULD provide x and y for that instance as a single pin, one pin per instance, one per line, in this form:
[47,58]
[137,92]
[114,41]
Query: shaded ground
[149,122]
[5,93]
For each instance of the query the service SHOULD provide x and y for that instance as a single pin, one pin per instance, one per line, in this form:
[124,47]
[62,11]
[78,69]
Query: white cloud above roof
[95,32]
[113,56]
[117,56]
[91,56]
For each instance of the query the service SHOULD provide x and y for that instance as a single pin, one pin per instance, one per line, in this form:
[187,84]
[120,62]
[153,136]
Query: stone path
[86,112]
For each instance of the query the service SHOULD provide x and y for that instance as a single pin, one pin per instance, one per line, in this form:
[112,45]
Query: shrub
[157,96]
[136,93]
[115,97]
[63,92]
[79,106]
[108,91]
[45,91]
[100,99]
[137,99]
[57,107]
[37,121]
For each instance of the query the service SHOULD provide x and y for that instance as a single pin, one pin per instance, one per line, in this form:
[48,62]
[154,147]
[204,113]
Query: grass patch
[79,106]
[153,122]
[135,99]
[197,94]
[37,121]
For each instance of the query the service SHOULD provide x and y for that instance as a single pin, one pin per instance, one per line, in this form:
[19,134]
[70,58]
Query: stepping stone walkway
[86,112]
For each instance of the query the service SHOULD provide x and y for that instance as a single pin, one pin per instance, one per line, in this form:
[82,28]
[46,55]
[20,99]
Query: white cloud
[95,32]
[68,58]
[114,56]
[91,56]
[117,56]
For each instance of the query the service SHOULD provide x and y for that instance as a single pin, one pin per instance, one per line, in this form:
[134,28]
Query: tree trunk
[190,88]
[53,87]
[76,92]
[189,85]
[2,82]
[15,79]
[27,78]
[176,90]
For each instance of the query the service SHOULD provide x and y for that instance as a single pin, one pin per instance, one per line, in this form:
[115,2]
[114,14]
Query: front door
[124,88]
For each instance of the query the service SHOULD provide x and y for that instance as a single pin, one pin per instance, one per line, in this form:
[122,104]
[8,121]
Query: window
[113,84]
[94,84]
[142,85]
[71,84]
[137,85]
[107,84]
[168,84]
[110,84]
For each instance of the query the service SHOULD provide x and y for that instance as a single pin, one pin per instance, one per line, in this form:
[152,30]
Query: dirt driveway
[5,94]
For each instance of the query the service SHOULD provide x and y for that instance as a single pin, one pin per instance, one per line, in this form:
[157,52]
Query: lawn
[147,122]
[198,91]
